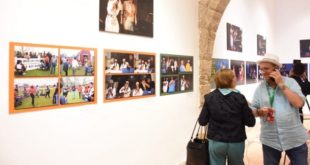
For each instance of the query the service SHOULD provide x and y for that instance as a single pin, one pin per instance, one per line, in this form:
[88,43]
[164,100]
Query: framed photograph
[217,64]
[261,45]
[234,38]
[176,74]
[285,69]
[128,75]
[251,72]
[41,74]
[305,48]
[238,68]
[133,17]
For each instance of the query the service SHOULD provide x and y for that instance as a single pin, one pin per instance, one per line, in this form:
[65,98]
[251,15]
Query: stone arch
[210,14]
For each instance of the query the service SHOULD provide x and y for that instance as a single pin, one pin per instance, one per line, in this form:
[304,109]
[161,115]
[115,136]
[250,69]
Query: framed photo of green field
[128,75]
[176,74]
[50,77]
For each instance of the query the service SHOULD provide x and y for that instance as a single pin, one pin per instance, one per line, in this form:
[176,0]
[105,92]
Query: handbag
[197,148]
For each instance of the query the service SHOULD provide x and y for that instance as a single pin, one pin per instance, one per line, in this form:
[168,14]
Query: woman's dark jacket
[226,116]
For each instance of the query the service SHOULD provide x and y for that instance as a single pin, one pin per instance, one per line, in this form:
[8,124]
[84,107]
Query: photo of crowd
[32,61]
[39,92]
[234,38]
[238,69]
[77,89]
[128,86]
[217,64]
[251,72]
[128,75]
[176,74]
[305,48]
[127,17]
[77,62]
[261,45]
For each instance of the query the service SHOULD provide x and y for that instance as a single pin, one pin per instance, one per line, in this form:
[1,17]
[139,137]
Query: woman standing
[226,112]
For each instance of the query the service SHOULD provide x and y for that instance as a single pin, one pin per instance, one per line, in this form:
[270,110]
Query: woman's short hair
[299,69]
[224,78]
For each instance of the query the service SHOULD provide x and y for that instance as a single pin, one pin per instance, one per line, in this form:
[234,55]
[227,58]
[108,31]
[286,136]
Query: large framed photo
[234,38]
[305,48]
[133,17]
[261,45]
[49,77]
[128,75]
[176,74]
[217,64]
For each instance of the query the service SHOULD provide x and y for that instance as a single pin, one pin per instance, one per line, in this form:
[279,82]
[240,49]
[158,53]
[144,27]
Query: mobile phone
[271,78]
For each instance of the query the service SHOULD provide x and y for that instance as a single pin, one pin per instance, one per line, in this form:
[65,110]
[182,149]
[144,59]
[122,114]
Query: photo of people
[77,62]
[185,64]
[35,61]
[261,45]
[251,72]
[128,75]
[41,74]
[33,93]
[217,64]
[169,85]
[77,90]
[176,74]
[305,48]
[127,17]
[169,64]
[125,62]
[234,38]
[238,68]
[129,86]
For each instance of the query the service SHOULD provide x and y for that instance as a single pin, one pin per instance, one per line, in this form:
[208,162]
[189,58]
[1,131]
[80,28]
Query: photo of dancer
[261,45]
[238,69]
[251,72]
[234,38]
[126,17]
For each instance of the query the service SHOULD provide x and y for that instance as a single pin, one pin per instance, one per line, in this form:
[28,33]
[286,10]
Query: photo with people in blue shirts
[217,64]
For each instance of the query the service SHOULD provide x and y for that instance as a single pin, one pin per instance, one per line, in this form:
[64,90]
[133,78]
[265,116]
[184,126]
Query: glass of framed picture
[50,77]
[128,75]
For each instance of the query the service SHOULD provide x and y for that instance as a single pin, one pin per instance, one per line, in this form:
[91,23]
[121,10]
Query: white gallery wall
[292,25]
[152,131]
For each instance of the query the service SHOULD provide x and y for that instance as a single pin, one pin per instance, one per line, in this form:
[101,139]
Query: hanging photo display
[176,74]
[128,75]
[132,17]
[238,68]
[251,72]
[234,38]
[261,45]
[49,77]
[217,64]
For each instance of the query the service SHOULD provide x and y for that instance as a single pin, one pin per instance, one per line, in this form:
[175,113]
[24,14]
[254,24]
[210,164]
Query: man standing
[276,101]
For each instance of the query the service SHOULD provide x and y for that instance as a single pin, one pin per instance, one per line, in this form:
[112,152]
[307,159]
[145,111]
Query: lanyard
[271,95]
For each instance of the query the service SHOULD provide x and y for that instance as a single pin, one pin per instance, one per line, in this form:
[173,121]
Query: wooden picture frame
[128,75]
[176,74]
[36,81]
